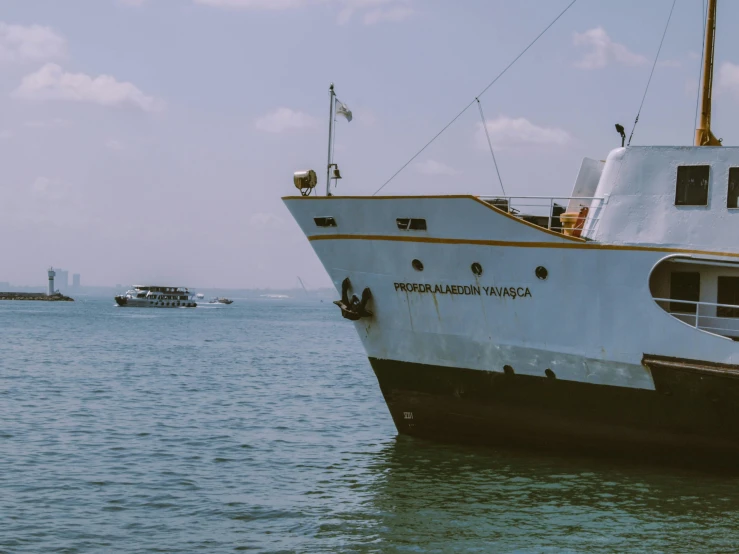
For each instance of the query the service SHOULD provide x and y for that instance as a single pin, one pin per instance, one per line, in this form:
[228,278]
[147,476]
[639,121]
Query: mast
[703,134]
[330,138]
[305,290]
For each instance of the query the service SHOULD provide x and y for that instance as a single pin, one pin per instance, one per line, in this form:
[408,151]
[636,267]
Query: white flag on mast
[343,109]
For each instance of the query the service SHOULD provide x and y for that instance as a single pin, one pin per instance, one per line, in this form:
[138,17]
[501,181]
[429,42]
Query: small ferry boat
[147,296]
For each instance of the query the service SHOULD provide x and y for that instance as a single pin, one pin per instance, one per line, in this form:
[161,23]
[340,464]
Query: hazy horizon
[122,287]
[152,140]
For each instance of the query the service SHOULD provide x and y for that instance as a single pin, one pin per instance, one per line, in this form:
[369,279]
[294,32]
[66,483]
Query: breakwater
[35,296]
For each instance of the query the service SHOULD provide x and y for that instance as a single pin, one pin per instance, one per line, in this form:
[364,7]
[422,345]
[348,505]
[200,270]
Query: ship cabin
[680,200]
[161,293]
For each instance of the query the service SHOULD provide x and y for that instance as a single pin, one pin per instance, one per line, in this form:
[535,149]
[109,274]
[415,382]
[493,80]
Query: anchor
[354,308]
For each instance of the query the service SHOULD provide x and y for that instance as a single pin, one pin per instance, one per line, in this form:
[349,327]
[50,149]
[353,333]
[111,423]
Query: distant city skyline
[152,140]
[59,284]
[61,280]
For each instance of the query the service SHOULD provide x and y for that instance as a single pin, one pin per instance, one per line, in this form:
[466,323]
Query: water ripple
[260,427]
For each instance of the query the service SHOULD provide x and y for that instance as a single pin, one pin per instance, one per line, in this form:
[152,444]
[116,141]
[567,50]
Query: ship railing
[719,319]
[545,211]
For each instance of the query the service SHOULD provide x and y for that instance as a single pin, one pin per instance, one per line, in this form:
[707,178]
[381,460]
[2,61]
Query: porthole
[541,272]
[476,269]
[550,374]
[417,265]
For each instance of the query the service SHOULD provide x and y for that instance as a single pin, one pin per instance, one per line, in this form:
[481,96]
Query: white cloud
[728,78]
[115,145]
[505,131]
[19,43]
[254,4]
[432,167]
[49,189]
[266,221]
[284,120]
[46,124]
[604,51]
[372,11]
[135,3]
[6,134]
[50,202]
[363,116]
[398,13]
[691,87]
[51,82]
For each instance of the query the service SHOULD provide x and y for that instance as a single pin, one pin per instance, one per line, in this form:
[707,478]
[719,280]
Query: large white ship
[606,320]
[150,296]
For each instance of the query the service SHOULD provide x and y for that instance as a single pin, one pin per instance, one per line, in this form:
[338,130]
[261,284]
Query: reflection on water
[428,497]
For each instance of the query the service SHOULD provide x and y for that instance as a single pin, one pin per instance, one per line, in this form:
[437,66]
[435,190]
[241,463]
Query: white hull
[591,320]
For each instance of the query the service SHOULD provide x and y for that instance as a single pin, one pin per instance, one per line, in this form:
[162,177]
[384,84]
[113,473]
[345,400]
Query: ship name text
[465,290]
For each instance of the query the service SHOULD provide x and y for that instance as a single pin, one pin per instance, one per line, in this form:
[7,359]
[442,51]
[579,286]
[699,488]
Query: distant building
[76,281]
[61,280]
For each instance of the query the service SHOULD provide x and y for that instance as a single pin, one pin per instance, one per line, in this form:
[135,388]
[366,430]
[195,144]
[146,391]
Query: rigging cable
[490,144]
[481,93]
[652,72]
[700,71]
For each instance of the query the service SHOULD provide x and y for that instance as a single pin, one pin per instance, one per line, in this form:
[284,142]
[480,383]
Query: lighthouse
[52,274]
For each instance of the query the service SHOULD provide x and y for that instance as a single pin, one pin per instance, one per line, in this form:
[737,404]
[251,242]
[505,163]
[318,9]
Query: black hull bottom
[692,414]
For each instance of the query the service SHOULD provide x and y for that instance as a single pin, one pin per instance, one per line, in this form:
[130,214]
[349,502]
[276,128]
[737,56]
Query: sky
[152,140]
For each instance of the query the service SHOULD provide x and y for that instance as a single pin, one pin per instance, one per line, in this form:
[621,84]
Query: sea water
[260,427]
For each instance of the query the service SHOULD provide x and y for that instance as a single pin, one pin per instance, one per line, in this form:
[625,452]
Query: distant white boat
[274,296]
[221,300]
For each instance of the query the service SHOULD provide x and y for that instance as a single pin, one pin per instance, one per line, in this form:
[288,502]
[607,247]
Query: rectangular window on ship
[732,198]
[692,185]
[411,224]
